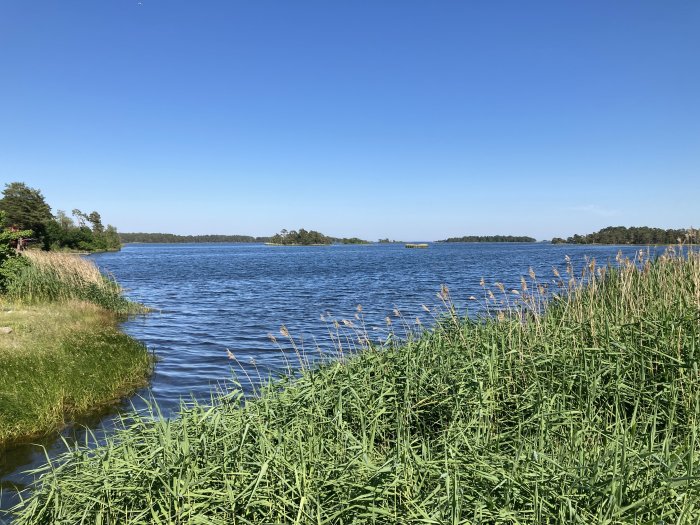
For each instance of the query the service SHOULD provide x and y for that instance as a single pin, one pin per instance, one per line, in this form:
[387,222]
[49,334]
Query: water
[213,297]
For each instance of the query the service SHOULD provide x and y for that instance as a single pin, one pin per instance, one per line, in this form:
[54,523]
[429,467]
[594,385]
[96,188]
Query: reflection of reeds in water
[576,400]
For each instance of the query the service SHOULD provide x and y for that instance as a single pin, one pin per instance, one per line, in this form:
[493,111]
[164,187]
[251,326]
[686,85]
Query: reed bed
[62,277]
[574,401]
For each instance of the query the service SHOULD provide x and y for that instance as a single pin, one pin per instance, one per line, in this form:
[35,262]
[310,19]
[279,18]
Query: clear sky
[415,120]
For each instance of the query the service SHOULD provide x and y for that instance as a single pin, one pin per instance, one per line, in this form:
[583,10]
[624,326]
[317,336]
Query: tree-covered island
[490,238]
[310,238]
[300,238]
[633,235]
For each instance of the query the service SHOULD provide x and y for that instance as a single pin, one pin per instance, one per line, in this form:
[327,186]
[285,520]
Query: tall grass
[60,277]
[586,410]
[65,357]
[63,363]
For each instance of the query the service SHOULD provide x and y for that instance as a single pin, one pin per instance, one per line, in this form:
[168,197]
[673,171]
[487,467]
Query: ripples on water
[213,297]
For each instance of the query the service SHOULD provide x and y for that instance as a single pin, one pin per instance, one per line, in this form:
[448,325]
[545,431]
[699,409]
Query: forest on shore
[26,211]
[292,237]
[171,238]
[632,235]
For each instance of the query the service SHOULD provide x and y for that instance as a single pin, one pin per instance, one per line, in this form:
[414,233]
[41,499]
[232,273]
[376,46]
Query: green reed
[61,277]
[586,410]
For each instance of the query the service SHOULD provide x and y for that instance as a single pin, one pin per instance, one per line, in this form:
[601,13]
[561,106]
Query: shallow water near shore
[210,298]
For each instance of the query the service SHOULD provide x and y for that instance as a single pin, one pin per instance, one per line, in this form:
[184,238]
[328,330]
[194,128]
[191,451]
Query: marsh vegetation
[577,402]
[64,355]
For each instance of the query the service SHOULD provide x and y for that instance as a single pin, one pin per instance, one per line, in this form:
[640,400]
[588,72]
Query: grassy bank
[56,277]
[65,356]
[585,412]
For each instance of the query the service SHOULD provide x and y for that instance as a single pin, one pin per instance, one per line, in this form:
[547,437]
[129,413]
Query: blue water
[210,298]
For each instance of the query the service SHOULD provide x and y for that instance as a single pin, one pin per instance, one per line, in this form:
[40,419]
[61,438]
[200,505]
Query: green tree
[112,240]
[633,235]
[302,237]
[80,217]
[10,260]
[96,220]
[25,209]
[63,220]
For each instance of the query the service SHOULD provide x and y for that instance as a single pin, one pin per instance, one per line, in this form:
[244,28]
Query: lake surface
[210,298]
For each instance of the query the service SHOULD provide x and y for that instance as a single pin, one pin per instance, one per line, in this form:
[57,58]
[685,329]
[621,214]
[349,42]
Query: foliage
[64,233]
[10,270]
[11,263]
[490,238]
[302,237]
[634,235]
[25,208]
[171,238]
[586,412]
[348,240]
[63,363]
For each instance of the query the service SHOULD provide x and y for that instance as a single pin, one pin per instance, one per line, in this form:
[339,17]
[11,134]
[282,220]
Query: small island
[490,238]
[299,238]
[310,238]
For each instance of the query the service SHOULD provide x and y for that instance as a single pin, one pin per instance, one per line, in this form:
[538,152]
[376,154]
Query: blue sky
[408,119]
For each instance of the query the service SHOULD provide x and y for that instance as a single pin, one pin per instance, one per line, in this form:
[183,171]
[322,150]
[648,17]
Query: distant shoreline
[297,244]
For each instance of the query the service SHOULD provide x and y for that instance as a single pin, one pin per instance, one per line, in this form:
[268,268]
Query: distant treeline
[349,240]
[172,238]
[284,237]
[490,238]
[633,235]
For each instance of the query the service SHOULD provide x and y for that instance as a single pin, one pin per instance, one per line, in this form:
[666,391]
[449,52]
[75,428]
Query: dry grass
[60,277]
[67,267]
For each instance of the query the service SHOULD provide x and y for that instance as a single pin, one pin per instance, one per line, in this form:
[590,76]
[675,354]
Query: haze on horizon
[404,119]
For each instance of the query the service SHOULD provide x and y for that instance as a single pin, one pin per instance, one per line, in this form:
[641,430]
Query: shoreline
[442,418]
[62,351]
[63,362]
